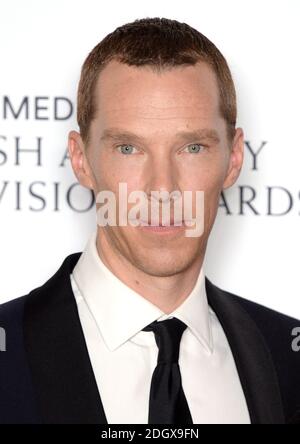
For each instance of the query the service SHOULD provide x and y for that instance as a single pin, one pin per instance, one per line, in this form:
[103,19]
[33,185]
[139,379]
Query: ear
[77,154]
[236,159]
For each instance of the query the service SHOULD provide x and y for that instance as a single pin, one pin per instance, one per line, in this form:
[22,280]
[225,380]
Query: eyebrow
[111,134]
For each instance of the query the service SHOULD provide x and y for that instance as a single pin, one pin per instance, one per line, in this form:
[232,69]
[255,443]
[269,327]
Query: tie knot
[168,335]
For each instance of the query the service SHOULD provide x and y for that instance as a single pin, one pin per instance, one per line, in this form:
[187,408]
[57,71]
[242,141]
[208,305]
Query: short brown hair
[160,43]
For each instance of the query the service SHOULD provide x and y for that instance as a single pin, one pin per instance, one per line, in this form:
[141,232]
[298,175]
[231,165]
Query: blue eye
[125,149]
[195,148]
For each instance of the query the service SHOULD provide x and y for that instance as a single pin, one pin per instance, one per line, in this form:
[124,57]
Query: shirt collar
[120,312]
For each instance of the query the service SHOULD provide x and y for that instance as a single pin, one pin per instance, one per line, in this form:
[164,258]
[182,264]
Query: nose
[163,178]
[162,175]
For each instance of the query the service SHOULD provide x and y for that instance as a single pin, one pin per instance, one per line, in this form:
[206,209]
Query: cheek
[113,170]
[106,175]
[205,171]
[208,178]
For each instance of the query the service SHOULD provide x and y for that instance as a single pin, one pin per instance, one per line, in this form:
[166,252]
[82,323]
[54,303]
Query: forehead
[143,101]
[122,87]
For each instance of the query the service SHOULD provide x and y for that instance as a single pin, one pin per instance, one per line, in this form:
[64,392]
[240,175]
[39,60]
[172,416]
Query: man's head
[149,94]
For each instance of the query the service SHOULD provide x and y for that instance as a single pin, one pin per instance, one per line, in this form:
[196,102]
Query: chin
[163,264]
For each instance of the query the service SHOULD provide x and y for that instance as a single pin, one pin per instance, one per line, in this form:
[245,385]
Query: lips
[176,224]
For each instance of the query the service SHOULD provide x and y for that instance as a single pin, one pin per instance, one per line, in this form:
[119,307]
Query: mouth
[162,229]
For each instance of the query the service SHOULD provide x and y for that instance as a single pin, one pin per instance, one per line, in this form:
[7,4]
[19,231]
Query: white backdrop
[254,248]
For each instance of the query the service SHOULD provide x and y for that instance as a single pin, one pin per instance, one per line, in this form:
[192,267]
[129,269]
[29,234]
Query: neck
[166,292]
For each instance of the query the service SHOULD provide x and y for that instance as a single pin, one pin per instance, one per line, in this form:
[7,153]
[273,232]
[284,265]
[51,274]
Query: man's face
[160,111]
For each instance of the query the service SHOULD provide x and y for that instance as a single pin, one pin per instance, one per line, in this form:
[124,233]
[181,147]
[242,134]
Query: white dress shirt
[123,357]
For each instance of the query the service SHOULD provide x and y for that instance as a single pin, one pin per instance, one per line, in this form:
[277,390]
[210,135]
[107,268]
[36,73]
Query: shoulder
[280,334]
[13,314]
[12,311]
[16,316]
[16,391]
[270,322]
[280,331]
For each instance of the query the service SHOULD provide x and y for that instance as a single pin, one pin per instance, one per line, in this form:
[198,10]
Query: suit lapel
[252,357]
[63,378]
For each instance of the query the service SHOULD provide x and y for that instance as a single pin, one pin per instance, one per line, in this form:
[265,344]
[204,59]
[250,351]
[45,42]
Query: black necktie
[167,404]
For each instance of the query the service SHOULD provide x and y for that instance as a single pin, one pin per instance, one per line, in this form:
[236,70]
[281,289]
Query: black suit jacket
[46,374]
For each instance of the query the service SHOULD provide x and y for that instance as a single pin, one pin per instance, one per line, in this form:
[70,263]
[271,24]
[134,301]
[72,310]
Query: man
[131,330]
